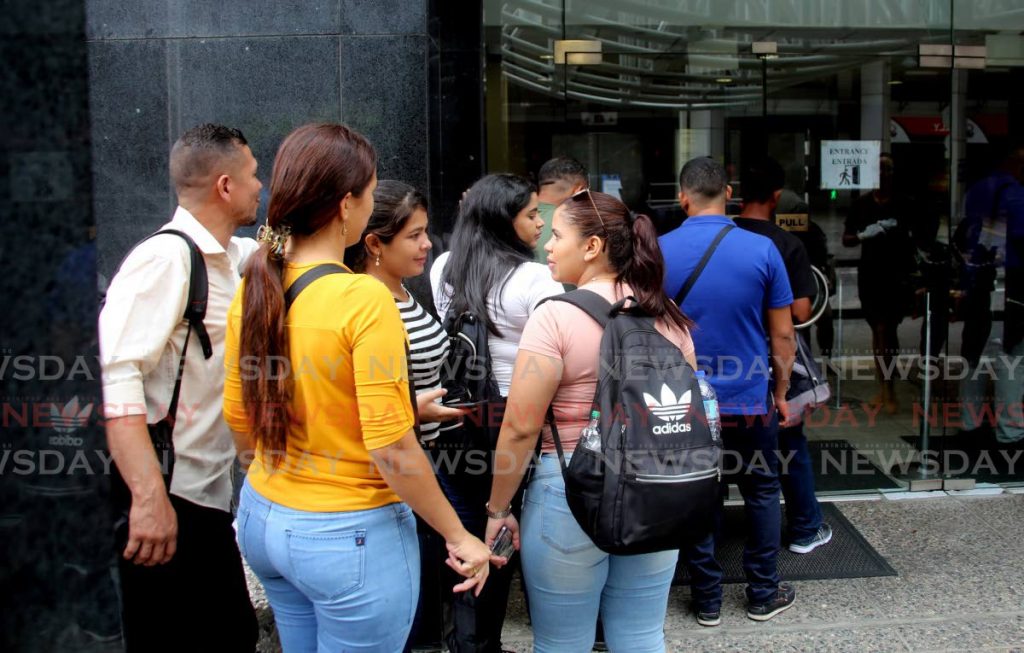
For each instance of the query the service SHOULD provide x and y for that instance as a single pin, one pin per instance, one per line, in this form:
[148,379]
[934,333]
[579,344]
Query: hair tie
[276,238]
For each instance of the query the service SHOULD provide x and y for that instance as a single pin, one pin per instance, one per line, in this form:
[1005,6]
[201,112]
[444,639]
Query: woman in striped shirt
[395,246]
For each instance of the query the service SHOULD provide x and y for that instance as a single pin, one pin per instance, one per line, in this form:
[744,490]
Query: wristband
[500,514]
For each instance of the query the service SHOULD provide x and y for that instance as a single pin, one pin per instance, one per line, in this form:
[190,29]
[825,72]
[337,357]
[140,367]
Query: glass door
[848,98]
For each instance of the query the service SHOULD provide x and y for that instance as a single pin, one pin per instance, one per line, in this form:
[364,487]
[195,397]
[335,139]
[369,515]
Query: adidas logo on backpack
[654,484]
[670,409]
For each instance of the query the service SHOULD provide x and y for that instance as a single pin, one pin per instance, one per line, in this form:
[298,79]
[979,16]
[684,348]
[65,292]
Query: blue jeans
[337,581]
[570,581]
[1009,388]
[475,622]
[749,461]
[803,514]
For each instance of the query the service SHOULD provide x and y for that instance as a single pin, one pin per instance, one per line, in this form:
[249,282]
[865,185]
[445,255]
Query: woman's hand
[471,558]
[431,411]
[494,525]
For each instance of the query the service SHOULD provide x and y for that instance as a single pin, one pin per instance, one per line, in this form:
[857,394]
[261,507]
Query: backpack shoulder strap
[601,311]
[594,305]
[685,290]
[198,287]
[308,277]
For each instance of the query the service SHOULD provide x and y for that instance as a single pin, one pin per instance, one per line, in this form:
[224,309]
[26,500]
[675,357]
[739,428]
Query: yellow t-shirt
[350,393]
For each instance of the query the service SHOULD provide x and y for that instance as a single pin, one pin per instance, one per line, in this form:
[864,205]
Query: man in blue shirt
[992,231]
[741,305]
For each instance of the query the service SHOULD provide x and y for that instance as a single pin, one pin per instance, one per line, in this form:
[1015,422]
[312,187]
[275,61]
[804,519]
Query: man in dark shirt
[880,222]
[762,185]
[816,242]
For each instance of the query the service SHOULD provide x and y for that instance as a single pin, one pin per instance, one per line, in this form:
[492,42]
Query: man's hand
[152,530]
[873,230]
[785,418]
[152,522]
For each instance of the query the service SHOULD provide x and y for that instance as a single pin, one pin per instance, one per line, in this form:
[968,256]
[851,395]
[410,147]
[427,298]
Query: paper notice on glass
[612,184]
[846,165]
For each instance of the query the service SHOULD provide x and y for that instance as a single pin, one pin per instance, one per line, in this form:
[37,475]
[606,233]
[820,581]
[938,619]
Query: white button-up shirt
[142,331]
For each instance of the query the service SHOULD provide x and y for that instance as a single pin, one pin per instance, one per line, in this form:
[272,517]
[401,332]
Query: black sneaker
[808,544]
[709,618]
[782,600]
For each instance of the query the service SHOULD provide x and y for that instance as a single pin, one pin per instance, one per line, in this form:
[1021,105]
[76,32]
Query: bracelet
[500,514]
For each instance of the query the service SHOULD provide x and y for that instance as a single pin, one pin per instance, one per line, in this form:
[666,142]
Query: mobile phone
[462,404]
[502,545]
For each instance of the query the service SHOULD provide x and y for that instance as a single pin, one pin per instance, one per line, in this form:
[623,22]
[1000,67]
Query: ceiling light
[724,80]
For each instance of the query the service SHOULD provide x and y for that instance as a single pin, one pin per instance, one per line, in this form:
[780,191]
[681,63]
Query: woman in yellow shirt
[317,395]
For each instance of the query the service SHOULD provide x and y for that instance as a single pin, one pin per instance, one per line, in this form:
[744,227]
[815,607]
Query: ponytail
[644,272]
[316,166]
[263,349]
[633,251]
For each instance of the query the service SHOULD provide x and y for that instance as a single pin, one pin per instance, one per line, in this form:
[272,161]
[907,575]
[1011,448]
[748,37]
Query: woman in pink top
[597,245]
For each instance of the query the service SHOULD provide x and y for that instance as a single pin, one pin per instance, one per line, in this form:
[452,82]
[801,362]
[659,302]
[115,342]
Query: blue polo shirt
[744,278]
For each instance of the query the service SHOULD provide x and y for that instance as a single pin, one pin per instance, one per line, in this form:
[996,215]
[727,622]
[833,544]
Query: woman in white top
[489,269]
[490,272]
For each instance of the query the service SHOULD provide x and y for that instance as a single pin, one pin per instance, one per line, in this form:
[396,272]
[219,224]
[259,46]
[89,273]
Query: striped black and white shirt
[428,347]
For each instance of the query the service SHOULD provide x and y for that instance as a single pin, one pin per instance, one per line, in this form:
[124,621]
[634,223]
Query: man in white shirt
[181,573]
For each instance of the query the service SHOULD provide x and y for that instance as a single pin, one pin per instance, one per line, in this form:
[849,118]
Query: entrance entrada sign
[849,164]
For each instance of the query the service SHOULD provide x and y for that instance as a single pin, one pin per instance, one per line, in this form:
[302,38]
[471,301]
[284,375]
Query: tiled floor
[960,588]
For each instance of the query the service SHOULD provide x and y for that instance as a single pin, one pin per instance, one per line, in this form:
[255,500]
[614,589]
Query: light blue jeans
[337,581]
[569,580]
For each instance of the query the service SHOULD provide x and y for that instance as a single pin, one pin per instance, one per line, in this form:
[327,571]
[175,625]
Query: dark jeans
[474,623]
[199,601]
[976,309]
[803,514]
[749,459]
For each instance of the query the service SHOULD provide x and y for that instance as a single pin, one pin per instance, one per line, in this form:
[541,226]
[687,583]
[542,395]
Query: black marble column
[56,559]
[457,156]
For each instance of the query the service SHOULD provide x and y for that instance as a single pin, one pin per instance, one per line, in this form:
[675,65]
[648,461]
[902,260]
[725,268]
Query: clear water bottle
[590,436]
[707,393]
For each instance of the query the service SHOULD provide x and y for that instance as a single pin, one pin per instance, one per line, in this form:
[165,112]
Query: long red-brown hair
[316,166]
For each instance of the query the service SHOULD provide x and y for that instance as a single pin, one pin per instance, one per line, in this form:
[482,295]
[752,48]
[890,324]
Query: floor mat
[848,555]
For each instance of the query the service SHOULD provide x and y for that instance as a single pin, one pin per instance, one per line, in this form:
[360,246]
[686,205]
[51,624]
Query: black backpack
[469,380]
[654,486]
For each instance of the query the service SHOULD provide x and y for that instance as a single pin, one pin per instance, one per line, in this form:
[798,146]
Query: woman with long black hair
[490,272]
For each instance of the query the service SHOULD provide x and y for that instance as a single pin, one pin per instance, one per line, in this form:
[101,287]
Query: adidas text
[668,429]
[65,441]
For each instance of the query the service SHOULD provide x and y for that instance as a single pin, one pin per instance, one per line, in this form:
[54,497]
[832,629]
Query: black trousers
[199,600]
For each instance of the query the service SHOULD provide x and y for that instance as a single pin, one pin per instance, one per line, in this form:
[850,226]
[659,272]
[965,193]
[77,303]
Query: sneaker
[709,618]
[782,600]
[808,544]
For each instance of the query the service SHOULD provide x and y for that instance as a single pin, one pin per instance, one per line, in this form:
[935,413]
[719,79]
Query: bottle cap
[594,414]
[700,374]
